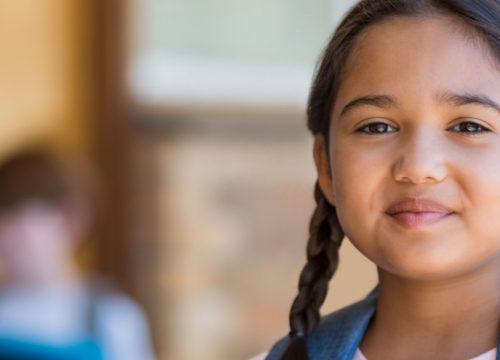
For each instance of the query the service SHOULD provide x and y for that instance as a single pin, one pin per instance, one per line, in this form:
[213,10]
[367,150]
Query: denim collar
[339,334]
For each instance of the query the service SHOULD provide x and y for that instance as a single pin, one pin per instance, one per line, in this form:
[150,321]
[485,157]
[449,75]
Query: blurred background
[192,112]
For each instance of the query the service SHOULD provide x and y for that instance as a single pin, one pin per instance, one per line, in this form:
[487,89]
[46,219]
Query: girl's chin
[429,271]
[415,274]
[421,267]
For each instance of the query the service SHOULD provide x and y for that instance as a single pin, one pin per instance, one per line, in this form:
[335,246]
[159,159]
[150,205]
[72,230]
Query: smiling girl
[405,109]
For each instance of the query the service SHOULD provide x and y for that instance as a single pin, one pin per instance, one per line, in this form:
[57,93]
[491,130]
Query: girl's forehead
[423,55]
[418,35]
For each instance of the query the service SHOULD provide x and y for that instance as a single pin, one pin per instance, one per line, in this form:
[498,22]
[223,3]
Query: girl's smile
[415,220]
[416,117]
[414,213]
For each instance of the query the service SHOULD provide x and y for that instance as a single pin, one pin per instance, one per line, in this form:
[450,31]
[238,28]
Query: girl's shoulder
[338,334]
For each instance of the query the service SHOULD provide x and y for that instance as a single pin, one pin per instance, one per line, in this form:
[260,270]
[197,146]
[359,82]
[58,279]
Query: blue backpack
[88,348]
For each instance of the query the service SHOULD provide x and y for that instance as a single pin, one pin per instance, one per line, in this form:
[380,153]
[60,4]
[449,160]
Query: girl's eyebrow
[381,101]
[468,98]
[456,99]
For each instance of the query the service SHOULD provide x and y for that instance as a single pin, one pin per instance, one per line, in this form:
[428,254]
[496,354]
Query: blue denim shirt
[339,334]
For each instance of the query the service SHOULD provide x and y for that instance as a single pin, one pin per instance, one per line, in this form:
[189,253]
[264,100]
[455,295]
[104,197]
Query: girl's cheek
[475,163]
[353,162]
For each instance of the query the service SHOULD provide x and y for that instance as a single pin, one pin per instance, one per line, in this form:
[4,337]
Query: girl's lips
[418,219]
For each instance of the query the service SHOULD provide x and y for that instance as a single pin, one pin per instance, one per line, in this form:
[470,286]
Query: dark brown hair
[479,18]
[40,174]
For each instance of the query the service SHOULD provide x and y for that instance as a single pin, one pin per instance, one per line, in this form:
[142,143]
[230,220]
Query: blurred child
[48,308]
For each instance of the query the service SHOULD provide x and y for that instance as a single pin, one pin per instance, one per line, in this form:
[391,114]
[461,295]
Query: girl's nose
[421,160]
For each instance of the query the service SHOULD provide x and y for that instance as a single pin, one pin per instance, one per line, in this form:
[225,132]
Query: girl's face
[430,91]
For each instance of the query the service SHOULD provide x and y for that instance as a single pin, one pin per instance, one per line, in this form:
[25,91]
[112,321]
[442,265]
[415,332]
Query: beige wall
[44,72]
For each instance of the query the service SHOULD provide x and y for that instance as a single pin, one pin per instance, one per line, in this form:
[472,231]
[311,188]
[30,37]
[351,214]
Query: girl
[405,109]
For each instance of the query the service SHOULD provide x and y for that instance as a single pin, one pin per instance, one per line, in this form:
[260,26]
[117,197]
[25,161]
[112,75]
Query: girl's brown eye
[376,128]
[470,128]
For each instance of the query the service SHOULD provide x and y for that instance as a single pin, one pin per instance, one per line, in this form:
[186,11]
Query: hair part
[478,21]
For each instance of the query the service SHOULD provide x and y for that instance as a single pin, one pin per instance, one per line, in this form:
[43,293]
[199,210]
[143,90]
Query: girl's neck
[458,316]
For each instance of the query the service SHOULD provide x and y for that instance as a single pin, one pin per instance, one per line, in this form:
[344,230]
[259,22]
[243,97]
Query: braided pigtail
[325,238]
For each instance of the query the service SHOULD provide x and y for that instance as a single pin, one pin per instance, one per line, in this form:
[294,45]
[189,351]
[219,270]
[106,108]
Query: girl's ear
[323,168]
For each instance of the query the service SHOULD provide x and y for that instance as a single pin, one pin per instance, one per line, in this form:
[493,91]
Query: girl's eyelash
[376,126]
[470,128]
